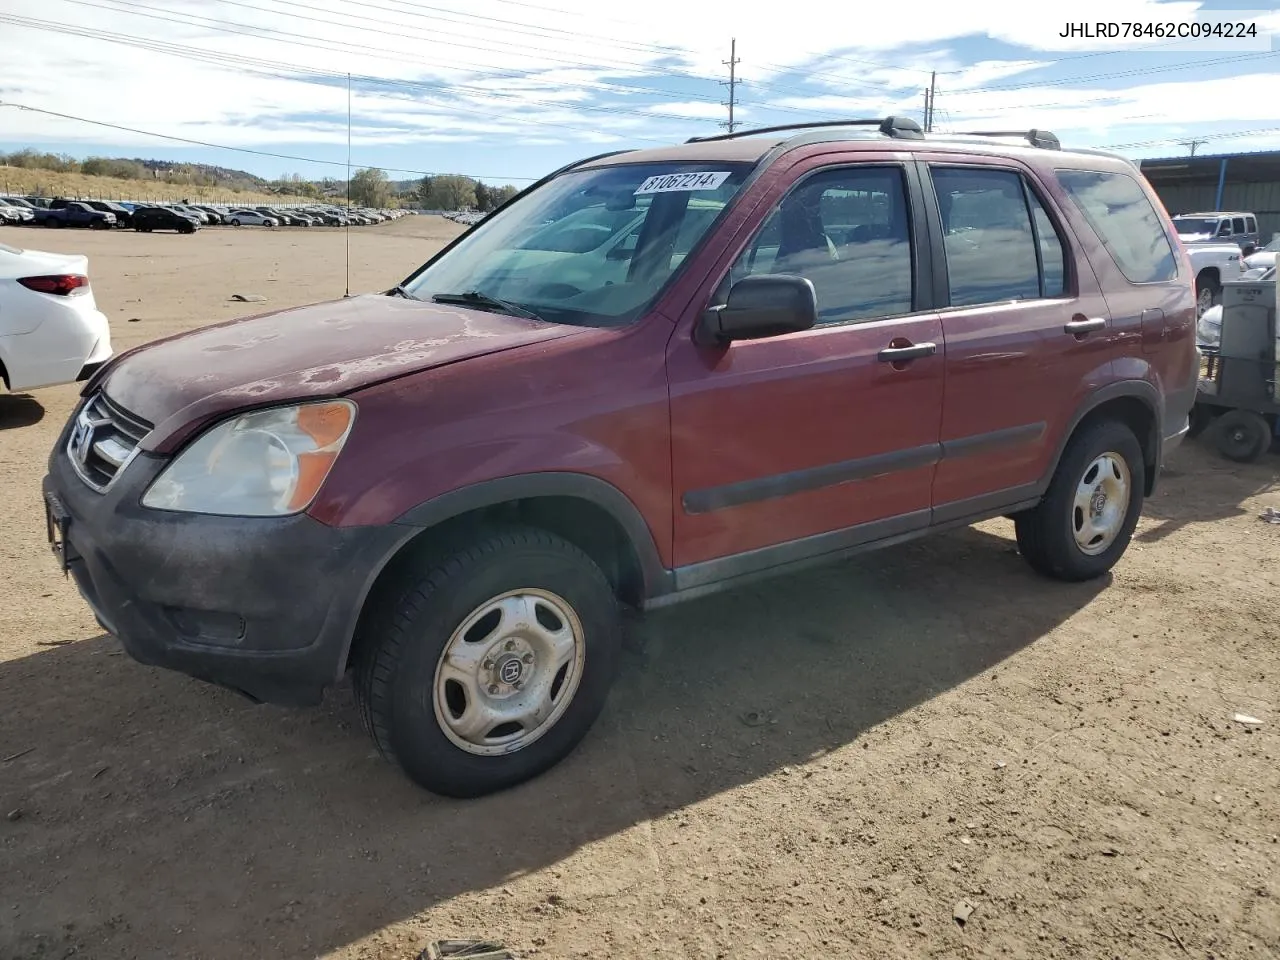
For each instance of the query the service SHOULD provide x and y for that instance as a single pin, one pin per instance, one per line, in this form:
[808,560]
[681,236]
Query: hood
[1194,237]
[1263,258]
[323,350]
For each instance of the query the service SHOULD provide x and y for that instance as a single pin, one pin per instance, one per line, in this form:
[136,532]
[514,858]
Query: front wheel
[491,664]
[235,223]
[1084,523]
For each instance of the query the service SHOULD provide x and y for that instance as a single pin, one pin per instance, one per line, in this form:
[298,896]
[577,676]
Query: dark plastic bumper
[264,606]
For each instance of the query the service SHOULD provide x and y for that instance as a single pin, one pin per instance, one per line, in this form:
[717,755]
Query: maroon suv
[652,375]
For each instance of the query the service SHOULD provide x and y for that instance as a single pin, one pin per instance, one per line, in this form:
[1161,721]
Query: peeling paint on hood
[323,350]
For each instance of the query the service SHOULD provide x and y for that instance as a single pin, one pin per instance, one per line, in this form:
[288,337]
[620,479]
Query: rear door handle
[1085,326]
[913,352]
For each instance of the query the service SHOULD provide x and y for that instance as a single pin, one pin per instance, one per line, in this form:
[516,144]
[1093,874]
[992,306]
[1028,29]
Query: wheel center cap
[510,670]
[1098,502]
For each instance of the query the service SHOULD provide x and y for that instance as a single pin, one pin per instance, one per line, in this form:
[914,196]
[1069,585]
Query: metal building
[1248,182]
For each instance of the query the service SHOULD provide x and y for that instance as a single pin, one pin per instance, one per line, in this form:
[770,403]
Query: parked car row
[467,217]
[181,217]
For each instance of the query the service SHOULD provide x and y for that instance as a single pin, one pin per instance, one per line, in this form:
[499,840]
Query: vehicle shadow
[1198,485]
[19,410]
[160,816]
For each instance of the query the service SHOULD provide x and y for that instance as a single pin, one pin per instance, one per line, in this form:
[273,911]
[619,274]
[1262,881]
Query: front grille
[104,438]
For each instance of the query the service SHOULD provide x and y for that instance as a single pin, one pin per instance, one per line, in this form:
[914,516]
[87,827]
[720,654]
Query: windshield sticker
[682,182]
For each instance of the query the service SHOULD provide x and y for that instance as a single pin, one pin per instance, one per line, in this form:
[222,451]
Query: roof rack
[1037,138]
[904,128]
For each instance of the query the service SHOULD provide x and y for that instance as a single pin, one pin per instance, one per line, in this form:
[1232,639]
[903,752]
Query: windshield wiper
[399,291]
[474,298]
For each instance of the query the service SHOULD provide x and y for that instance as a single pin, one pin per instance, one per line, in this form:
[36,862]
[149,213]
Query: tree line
[455,192]
[369,187]
[121,168]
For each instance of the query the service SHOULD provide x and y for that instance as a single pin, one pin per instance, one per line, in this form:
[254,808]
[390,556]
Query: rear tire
[467,712]
[1242,435]
[1084,523]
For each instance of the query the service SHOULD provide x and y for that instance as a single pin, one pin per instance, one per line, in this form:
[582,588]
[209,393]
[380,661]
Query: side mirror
[762,306]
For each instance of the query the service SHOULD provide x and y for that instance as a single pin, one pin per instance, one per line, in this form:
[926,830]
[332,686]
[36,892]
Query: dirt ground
[821,767]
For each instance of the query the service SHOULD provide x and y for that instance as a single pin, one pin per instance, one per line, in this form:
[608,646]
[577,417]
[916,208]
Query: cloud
[250,73]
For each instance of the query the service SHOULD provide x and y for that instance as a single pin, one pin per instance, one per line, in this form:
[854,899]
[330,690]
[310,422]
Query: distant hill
[213,171]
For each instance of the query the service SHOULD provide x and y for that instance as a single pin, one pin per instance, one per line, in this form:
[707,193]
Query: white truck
[1211,264]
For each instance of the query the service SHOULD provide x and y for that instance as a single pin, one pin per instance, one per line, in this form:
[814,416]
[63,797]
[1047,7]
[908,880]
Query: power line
[1208,136]
[441,87]
[257,153]
[330,46]
[1140,71]
[620,88]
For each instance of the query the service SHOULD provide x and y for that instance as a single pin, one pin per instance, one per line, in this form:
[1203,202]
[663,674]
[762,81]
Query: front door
[801,444]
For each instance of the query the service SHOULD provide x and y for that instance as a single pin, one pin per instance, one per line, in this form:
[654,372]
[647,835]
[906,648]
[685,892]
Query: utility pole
[731,83]
[925,121]
[929,101]
[1192,144]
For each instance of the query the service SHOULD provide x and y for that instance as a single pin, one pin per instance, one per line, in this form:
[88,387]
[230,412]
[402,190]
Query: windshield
[1185,225]
[1273,246]
[591,247]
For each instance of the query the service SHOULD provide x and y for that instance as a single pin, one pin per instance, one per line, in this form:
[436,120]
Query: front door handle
[1076,327]
[912,352]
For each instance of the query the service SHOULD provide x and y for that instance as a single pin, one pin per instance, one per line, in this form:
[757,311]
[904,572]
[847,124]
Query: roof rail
[1037,138]
[903,128]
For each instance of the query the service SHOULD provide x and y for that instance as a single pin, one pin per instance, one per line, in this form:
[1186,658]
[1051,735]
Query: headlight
[267,463]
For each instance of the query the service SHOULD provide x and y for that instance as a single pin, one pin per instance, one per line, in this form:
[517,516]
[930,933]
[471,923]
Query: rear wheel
[1242,435]
[1084,523]
[491,663]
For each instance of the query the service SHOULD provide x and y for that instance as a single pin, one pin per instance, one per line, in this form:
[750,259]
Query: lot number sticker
[678,182]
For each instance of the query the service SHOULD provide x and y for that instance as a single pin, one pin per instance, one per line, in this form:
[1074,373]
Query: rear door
[800,444]
[1027,331]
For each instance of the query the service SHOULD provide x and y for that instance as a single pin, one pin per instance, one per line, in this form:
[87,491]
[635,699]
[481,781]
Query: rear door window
[1251,225]
[1125,221]
[990,241]
[1237,225]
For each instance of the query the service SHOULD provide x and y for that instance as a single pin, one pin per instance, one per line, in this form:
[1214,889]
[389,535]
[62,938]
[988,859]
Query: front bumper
[264,606]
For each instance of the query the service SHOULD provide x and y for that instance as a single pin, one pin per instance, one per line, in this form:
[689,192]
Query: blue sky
[509,89]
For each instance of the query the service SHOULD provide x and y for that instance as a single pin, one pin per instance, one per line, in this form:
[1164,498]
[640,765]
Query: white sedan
[51,330]
[238,217]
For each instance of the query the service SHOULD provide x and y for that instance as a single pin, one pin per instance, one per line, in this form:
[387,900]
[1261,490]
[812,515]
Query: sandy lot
[822,767]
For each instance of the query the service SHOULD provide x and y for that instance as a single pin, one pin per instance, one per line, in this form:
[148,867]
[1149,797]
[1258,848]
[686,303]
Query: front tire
[491,662]
[1084,523]
[235,223]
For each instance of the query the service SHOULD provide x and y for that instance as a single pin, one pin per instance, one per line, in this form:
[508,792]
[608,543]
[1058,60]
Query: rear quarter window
[1123,218]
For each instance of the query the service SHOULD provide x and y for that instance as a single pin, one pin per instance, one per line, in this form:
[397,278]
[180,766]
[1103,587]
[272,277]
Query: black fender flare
[1141,390]
[580,486]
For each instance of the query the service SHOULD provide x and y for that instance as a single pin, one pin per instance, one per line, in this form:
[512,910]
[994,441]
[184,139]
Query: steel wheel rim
[1101,503]
[508,672]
